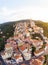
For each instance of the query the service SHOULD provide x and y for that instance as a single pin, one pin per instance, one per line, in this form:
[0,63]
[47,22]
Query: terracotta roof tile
[38,51]
[23,64]
[35,62]
[17,56]
[23,47]
[41,58]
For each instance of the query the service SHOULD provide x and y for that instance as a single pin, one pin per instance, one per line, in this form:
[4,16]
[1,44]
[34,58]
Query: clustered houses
[20,46]
[38,29]
[37,44]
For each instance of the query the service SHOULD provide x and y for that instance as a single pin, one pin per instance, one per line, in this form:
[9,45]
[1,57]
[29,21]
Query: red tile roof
[38,51]
[41,58]
[35,62]
[23,47]
[23,64]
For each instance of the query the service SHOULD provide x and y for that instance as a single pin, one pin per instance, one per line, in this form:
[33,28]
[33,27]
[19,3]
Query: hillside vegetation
[44,26]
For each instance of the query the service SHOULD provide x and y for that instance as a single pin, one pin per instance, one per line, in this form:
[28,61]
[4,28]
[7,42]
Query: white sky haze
[11,10]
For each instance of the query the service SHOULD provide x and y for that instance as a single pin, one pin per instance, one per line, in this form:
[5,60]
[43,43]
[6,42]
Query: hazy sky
[11,10]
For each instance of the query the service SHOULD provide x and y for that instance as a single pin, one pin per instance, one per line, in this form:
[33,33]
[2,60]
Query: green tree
[2,44]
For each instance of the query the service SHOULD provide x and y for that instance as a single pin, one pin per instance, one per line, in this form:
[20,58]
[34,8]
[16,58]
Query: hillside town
[27,47]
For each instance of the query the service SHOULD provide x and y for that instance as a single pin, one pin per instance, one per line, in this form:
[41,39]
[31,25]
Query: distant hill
[44,25]
[8,28]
